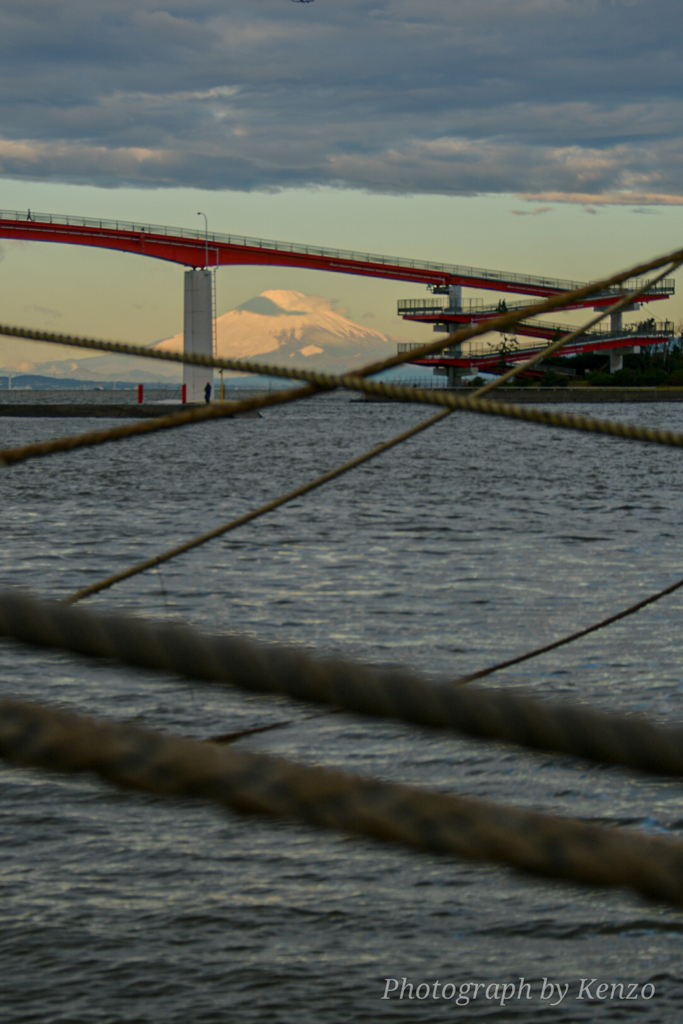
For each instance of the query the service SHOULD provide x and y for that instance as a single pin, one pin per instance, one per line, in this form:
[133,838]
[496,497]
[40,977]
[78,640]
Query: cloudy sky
[553,98]
[536,129]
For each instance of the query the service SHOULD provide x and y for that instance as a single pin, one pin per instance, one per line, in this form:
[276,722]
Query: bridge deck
[190,248]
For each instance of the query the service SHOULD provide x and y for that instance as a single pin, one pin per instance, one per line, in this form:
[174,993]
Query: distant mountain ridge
[40,382]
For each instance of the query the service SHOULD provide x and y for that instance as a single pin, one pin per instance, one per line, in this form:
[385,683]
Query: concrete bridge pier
[455,373]
[455,297]
[616,355]
[197,331]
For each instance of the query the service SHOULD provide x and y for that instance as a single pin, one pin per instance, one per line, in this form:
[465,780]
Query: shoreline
[517,396]
[101,410]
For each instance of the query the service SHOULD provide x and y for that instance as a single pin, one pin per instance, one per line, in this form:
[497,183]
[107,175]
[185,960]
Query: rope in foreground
[389,693]
[250,783]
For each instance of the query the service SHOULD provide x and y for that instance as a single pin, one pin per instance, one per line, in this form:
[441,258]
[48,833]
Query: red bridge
[207,249]
[197,249]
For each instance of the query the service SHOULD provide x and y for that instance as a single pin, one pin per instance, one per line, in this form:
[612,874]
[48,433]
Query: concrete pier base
[616,360]
[197,331]
[455,373]
[616,356]
[455,297]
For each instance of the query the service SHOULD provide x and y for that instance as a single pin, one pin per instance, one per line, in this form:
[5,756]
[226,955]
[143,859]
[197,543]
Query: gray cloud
[564,100]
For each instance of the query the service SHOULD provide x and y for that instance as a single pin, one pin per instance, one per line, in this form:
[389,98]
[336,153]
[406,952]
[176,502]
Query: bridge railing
[431,307]
[428,306]
[342,255]
[655,328]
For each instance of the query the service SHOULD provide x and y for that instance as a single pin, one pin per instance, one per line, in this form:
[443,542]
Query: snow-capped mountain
[289,328]
[286,328]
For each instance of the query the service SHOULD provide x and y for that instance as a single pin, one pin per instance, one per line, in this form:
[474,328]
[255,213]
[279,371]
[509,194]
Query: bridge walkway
[196,248]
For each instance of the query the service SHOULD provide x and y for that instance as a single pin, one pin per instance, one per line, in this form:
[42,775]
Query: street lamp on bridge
[206,237]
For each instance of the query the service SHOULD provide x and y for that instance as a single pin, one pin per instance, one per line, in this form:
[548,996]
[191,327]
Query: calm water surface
[470,543]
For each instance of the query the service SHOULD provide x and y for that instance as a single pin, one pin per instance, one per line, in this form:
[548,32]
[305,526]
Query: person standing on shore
[207,392]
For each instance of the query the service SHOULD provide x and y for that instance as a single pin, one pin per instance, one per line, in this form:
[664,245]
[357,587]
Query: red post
[141,388]
[184,399]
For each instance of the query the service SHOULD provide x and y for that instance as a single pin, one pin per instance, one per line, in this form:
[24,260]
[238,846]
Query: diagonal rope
[355,381]
[253,783]
[239,734]
[249,517]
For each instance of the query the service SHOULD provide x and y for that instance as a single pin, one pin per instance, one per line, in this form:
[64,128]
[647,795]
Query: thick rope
[322,381]
[251,783]
[390,693]
[249,517]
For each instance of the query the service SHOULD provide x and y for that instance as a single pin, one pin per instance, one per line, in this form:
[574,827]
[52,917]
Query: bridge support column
[455,373]
[198,331]
[455,296]
[616,355]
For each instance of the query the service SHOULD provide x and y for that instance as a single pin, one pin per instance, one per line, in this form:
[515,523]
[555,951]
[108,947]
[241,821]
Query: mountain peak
[294,330]
[295,301]
[275,303]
